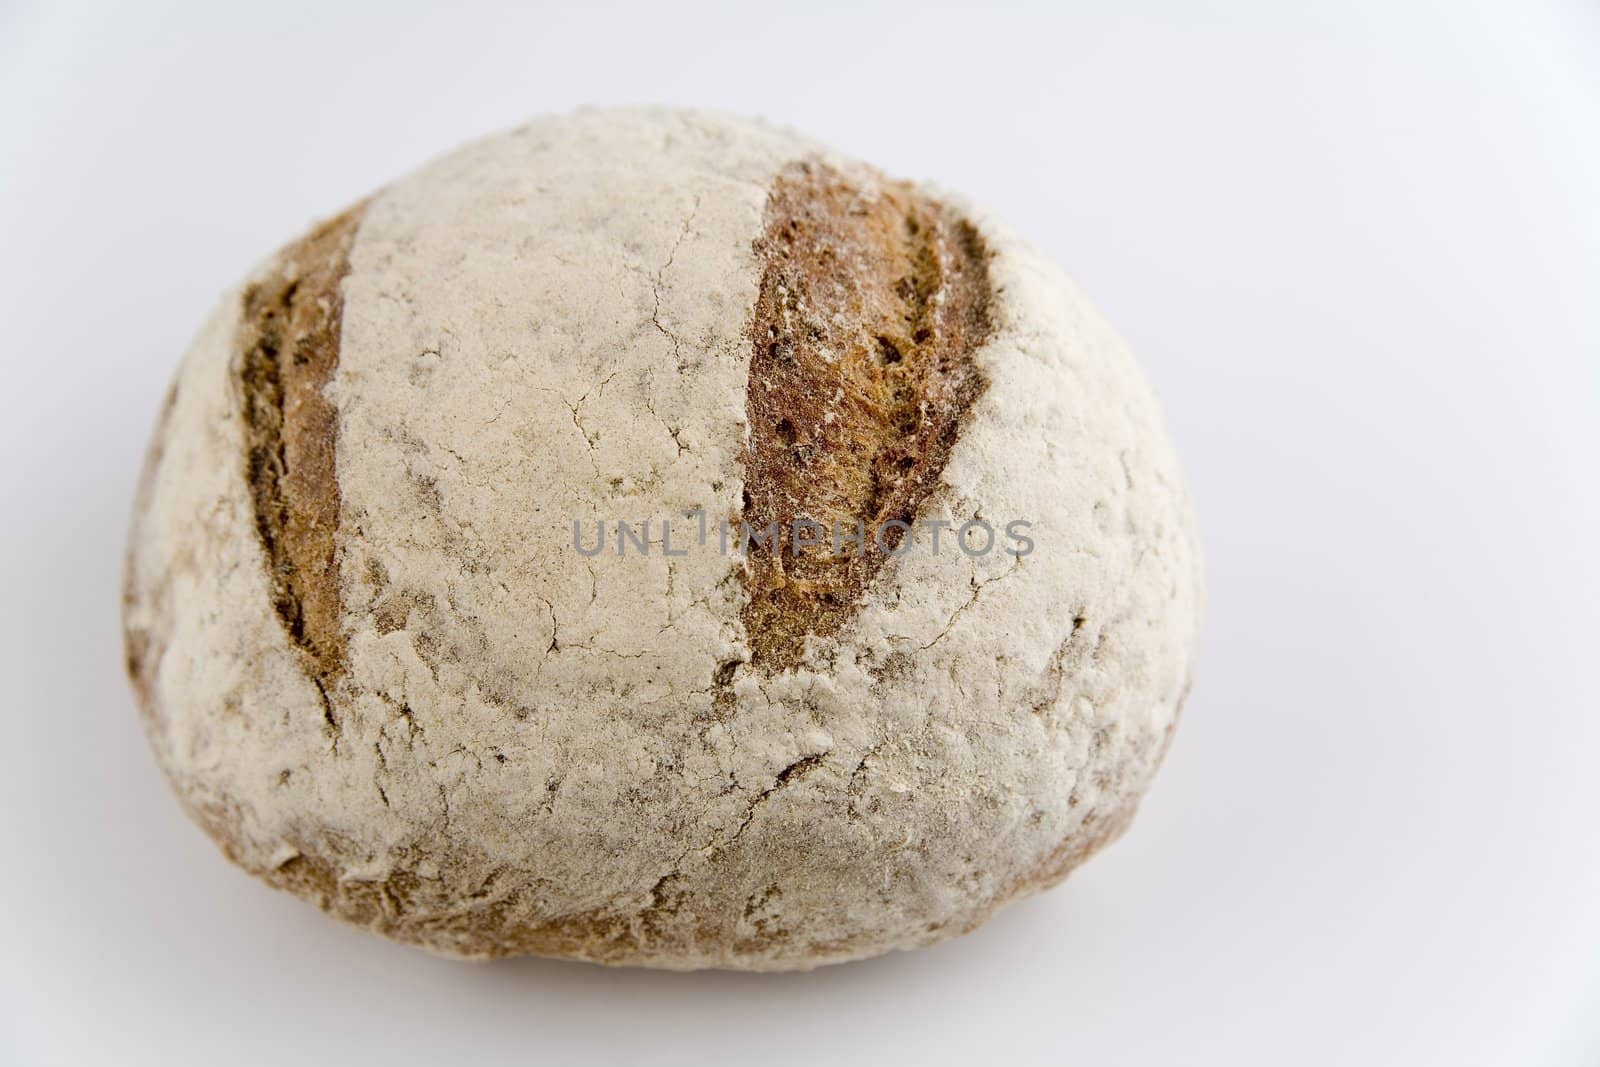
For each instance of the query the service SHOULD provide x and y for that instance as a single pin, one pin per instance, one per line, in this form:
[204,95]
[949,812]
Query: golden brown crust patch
[289,348]
[872,302]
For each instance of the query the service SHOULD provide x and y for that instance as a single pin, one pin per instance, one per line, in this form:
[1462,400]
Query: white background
[1357,246]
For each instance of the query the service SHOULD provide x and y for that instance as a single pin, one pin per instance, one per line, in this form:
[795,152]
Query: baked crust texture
[378,670]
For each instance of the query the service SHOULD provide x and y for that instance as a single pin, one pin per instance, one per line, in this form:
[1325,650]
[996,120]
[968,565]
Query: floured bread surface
[396,656]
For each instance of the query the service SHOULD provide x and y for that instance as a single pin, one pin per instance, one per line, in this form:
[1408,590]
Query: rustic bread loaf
[895,626]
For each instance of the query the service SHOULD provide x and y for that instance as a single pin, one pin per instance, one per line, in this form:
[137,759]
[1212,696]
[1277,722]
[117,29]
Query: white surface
[1356,247]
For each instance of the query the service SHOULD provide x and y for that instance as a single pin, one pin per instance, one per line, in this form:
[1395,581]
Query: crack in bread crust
[288,350]
[873,299]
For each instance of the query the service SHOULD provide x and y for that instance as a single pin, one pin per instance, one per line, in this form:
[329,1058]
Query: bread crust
[872,304]
[492,744]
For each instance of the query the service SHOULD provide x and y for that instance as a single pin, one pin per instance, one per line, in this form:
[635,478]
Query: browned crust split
[288,350]
[872,302]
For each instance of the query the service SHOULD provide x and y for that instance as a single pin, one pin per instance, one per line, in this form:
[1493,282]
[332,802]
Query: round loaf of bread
[647,537]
